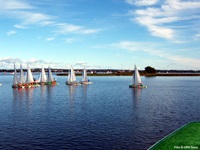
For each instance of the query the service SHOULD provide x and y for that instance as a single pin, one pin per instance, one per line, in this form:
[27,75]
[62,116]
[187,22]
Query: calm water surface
[104,115]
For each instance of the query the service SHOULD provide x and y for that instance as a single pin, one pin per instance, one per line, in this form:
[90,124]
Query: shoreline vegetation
[142,74]
[148,72]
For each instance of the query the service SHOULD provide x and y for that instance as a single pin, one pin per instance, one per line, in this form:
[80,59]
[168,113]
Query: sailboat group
[136,80]
[21,82]
[72,78]
[46,80]
[28,82]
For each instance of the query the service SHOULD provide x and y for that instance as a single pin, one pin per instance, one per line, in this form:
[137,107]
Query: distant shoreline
[143,74]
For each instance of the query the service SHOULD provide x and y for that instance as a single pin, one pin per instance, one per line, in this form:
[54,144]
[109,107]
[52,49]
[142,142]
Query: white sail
[69,76]
[15,80]
[21,76]
[50,77]
[43,77]
[72,75]
[29,76]
[84,76]
[136,77]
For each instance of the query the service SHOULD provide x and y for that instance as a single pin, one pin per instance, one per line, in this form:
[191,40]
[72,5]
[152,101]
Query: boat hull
[50,83]
[137,86]
[85,82]
[73,83]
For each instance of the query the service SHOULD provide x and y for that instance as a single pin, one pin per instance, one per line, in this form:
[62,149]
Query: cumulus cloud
[7,63]
[9,60]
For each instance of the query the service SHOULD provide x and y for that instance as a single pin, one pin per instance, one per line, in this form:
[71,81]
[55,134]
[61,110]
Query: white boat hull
[85,82]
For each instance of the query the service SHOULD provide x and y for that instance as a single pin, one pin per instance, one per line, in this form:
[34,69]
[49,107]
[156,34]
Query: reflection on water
[72,92]
[84,88]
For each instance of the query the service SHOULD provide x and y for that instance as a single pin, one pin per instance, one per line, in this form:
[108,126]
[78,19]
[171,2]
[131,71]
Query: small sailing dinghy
[50,79]
[136,80]
[15,79]
[85,79]
[72,78]
[43,77]
[29,83]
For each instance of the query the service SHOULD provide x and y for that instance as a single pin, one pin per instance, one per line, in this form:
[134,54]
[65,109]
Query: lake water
[105,115]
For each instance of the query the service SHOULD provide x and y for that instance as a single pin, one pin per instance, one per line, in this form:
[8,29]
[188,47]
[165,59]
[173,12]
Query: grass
[187,137]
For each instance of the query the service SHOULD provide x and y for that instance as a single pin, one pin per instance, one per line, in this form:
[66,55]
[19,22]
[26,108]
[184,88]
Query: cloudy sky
[117,34]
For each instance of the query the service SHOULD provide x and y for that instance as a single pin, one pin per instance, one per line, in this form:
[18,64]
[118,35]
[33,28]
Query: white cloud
[71,40]
[50,39]
[142,2]
[167,19]
[9,60]
[11,32]
[151,49]
[34,18]
[65,28]
[7,63]
[13,5]
[19,26]
[81,63]
[161,32]
[30,16]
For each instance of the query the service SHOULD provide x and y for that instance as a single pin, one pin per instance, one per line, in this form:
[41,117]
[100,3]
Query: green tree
[149,69]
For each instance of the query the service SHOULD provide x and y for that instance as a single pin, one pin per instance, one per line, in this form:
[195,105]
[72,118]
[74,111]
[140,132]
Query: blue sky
[100,34]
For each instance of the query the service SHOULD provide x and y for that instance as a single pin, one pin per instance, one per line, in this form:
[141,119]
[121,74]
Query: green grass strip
[186,137]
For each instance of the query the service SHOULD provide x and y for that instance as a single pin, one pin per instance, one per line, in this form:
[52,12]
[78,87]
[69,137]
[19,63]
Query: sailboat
[43,77]
[21,80]
[136,80]
[50,79]
[72,78]
[29,79]
[85,79]
[15,80]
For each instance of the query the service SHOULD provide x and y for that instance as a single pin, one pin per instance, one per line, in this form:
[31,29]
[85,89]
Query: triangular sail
[72,75]
[84,75]
[21,76]
[15,80]
[29,76]
[69,76]
[43,77]
[137,76]
[50,77]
